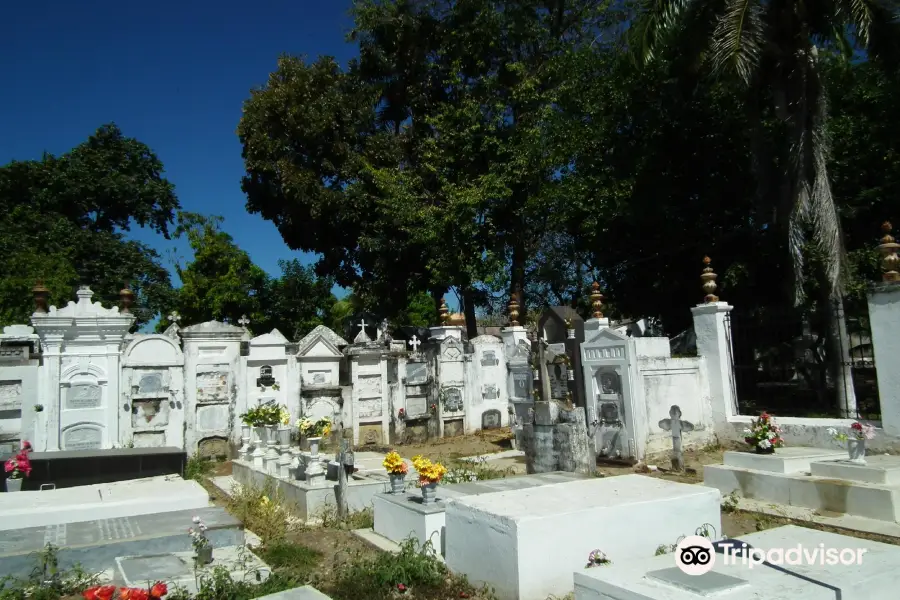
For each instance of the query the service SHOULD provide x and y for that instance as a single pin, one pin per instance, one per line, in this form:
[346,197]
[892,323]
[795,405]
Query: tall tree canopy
[63,220]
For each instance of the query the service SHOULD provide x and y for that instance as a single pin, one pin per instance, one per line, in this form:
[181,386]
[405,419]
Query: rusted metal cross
[677,427]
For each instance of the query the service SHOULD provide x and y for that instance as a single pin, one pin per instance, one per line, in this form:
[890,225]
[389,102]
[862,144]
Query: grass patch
[198,468]
[47,581]
[461,471]
[220,586]
[356,519]
[263,511]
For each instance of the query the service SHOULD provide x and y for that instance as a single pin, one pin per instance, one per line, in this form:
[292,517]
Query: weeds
[198,468]
[263,511]
[730,502]
[462,471]
[220,586]
[47,581]
[356,519]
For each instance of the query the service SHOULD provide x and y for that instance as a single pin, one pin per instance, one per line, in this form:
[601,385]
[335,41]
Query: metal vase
[857,451]
[204,555]
[398,483]
[14,485]
[429,493]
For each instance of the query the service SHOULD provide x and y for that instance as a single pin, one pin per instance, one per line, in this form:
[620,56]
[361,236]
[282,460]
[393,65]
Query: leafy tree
[297,301]
[63,220]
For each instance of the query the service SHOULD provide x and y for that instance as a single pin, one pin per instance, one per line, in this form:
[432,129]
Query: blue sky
[171,74]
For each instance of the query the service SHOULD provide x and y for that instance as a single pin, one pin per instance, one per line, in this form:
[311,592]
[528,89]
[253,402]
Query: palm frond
[861,15]
[657,20]
[738,39]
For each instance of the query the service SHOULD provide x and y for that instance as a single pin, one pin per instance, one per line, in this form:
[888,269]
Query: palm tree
[771,46]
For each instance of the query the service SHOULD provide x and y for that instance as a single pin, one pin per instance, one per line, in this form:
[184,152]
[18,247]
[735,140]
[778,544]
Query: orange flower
[133,594]
[158,590]
[100,592]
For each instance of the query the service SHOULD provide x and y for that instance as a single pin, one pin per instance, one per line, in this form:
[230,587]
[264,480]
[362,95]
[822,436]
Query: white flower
[771,435]
[196,519]
[747,430]
[765,444]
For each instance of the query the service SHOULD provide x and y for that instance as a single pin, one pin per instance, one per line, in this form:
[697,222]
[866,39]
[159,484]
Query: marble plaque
[369,386]
[370,434]
[83,395]
[490,419]
[150,383]
[416,373]
[522,381]
[213,417]
[489,358]
[489,391]
[368,407]
[82,438]
[318,377]
[213,447]
[150,439]
[559,386]
[10,394]
[416,406]
[152,412]
[212,386]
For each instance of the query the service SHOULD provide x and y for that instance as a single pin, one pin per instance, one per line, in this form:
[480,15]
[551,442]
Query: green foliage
[62,220]
[47,581]
[220,586]
[198,468]
[377,578]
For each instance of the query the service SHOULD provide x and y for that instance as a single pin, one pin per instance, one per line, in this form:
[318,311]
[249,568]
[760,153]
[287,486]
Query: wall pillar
[713,331]
[884,320]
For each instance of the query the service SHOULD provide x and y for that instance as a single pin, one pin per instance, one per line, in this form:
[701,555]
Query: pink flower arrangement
[19,466]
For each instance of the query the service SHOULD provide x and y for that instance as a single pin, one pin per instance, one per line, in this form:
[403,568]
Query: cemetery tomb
[501,539]
[106,501]
[397,516]
[96,544]
[811,478]
[657,578]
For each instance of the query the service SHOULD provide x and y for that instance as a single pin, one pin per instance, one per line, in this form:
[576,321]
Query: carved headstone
[490,419]
[150,383]
[453,401]
[489,359]
[490,392]
[83,438]
[83,395]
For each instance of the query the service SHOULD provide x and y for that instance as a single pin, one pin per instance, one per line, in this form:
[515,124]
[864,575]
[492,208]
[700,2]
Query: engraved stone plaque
[150,413]
[489,359]
[369,386]
[453,399]
[416,405]
[150,383]
[83,395]
[609,412]
[10,394]
[83,438]
[150,439]
[212,386]
[369,407]
[213,447]
[318,378]
[490,419]
[522,382]
[212,418]
[416,373]
[490,392]
[370,434]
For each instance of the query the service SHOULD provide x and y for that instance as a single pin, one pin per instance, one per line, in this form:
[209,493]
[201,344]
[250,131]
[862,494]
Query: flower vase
[259,436]
[398,483]
[570,374]
[571,334]
[14,485]
[314,446]
[536,374]
[284,436]
[857,451]
[429,492]
[246,432]
[204,555]
[769,450]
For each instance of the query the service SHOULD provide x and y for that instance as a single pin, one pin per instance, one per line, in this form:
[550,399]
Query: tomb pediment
[273,338]
[608,335]
[321,348]
[317,335]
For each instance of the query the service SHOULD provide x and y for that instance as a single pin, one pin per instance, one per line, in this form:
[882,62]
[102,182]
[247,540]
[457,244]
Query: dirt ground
[478,443]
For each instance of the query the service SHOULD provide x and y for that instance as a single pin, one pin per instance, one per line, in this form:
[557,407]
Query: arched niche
[83,435]
[153,350]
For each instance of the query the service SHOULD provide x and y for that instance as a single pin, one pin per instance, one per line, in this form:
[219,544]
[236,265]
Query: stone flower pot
[398,483]
[284,436]
[314,446]
[14,485]
[259,436]
[429,492]
[857,451]
[769,450]
[204,555]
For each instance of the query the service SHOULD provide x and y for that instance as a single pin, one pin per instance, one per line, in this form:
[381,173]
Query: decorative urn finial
[709,281]
[889,259]
[596,301]
[41,297]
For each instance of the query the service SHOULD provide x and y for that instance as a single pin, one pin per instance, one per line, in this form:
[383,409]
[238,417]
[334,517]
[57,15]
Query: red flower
[856,426]
[401,588]
[463,595]
[100,592]
[158,590]
[133,594]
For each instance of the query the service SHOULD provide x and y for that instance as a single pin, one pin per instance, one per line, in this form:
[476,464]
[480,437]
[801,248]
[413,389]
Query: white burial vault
[526,543]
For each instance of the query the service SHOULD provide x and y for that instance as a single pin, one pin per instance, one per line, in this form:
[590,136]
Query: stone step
[96,544]
[103,501]
[873,501]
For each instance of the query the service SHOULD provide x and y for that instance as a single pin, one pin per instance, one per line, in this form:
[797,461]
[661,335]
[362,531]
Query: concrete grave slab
[652,578]
[792,459]
[307,592]
[397,516]
[178,569]
[879,469]
[103,501]
[501,539]
[96,544]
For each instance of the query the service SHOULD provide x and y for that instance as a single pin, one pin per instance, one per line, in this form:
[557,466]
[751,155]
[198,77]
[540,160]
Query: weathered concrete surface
[559,442]
[306,592]
[96,544]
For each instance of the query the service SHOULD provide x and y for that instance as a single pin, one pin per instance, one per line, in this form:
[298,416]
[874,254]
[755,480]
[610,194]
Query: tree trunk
[469,310]
[438,294]
[837,346]
[517,278]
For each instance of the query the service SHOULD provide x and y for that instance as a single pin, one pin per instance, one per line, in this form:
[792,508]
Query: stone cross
[174,317]
[677,427]
[244,321]
[415,343]
[362,325]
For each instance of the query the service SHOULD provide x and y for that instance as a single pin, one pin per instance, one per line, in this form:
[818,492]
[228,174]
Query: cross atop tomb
[244,321]
[415,343]
[174,317]
[362,325]
[677,427]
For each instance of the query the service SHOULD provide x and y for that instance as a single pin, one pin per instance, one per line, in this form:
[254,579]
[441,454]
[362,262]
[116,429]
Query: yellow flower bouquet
[394,464]
[429,472]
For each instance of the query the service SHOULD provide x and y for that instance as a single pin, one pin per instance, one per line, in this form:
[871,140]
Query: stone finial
[709,281]
[444,313]
[888,248]
[244,321]
[41,297]
[126,300]
[513,310]
[596,301]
